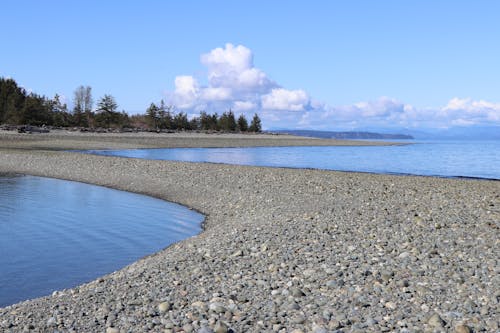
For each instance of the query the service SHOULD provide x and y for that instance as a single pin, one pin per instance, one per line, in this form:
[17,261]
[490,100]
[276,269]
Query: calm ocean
[471,159]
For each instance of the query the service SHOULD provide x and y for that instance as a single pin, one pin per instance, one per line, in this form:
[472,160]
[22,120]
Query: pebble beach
[283,250]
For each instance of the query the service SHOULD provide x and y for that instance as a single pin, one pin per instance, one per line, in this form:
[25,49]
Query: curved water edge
[57,234]
[446,159]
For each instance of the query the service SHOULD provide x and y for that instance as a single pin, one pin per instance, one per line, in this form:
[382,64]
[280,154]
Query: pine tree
[242,123]
[153,116]
[59,111]
[166,120]
[255,125]
[227,122]
[12,100]
[106,111]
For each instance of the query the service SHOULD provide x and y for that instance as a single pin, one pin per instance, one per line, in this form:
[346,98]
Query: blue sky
[299,64]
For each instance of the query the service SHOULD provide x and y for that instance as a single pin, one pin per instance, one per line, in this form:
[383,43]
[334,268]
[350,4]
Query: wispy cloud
[234,82]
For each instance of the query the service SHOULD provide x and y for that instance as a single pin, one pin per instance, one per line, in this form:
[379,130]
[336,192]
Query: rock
[112,330]
[188,328]
[205,329]
[51,322]
[334,283]
[403,283]
[436,321]
[319,329]
[164,307]
[404,255]
[391,305]
[237,253]
[168,324]
[199,305]
[462,328]
[298,319]
[309,272]
[292,306]
[220,327]
[386,275]
[296,292]
[217,307]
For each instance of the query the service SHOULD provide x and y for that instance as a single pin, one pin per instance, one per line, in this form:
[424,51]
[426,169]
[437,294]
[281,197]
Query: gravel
[283,250]
[62,139]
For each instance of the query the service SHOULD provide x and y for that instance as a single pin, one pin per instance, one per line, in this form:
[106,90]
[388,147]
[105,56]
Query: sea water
[473,159]
[57,234]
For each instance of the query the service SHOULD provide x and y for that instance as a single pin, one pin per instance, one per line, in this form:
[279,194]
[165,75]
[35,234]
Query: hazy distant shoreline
[282,249]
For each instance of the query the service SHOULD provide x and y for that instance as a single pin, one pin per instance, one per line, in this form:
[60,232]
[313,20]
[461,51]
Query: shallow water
[475,159]
[57,234]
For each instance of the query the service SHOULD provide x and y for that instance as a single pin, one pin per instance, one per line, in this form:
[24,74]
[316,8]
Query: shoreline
[310,168]
[65,140]
[283,249]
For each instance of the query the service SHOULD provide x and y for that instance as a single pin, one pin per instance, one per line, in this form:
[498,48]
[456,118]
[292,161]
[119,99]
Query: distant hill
[477,132]
[346,135]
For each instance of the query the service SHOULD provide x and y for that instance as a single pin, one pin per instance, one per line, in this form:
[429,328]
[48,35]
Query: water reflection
[479,159]
[56,234]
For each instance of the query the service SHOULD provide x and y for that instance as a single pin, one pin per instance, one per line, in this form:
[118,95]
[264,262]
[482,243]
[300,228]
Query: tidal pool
[57,234]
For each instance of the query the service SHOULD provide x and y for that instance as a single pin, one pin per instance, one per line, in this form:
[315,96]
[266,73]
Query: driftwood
[32,129]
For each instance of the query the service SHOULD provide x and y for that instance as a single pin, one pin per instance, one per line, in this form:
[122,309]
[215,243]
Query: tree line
[19,107]
[163,117]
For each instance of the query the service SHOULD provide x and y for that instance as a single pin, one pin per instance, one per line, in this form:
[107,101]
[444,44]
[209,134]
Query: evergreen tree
[215,122]
[12,99]
[19,107]
[242,123]
[208,122]
[123,120]
[153,116]
[194,123]
[166,120]
[255,125]
[205,121]
[60,115]
[106,111]
[79,118]
[35,111]
[227,122]
[231,121]
[181,121]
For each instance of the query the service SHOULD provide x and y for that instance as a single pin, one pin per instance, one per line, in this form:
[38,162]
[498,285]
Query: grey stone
[436,321]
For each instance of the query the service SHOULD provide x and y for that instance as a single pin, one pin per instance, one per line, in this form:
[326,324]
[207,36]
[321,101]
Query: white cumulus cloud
[242,106]
[186,91]
[229,59]
[216,94]
[283,99]
[388,112]
[232,67]
[469,110]
[232,81]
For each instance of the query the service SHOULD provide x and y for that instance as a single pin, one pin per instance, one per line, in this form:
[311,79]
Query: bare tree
[83,104]
[87,103]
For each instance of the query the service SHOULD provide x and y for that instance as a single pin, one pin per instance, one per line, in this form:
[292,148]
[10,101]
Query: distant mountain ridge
[346,135]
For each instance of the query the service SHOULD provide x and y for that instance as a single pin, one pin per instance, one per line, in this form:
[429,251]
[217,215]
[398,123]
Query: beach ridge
[282,249]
